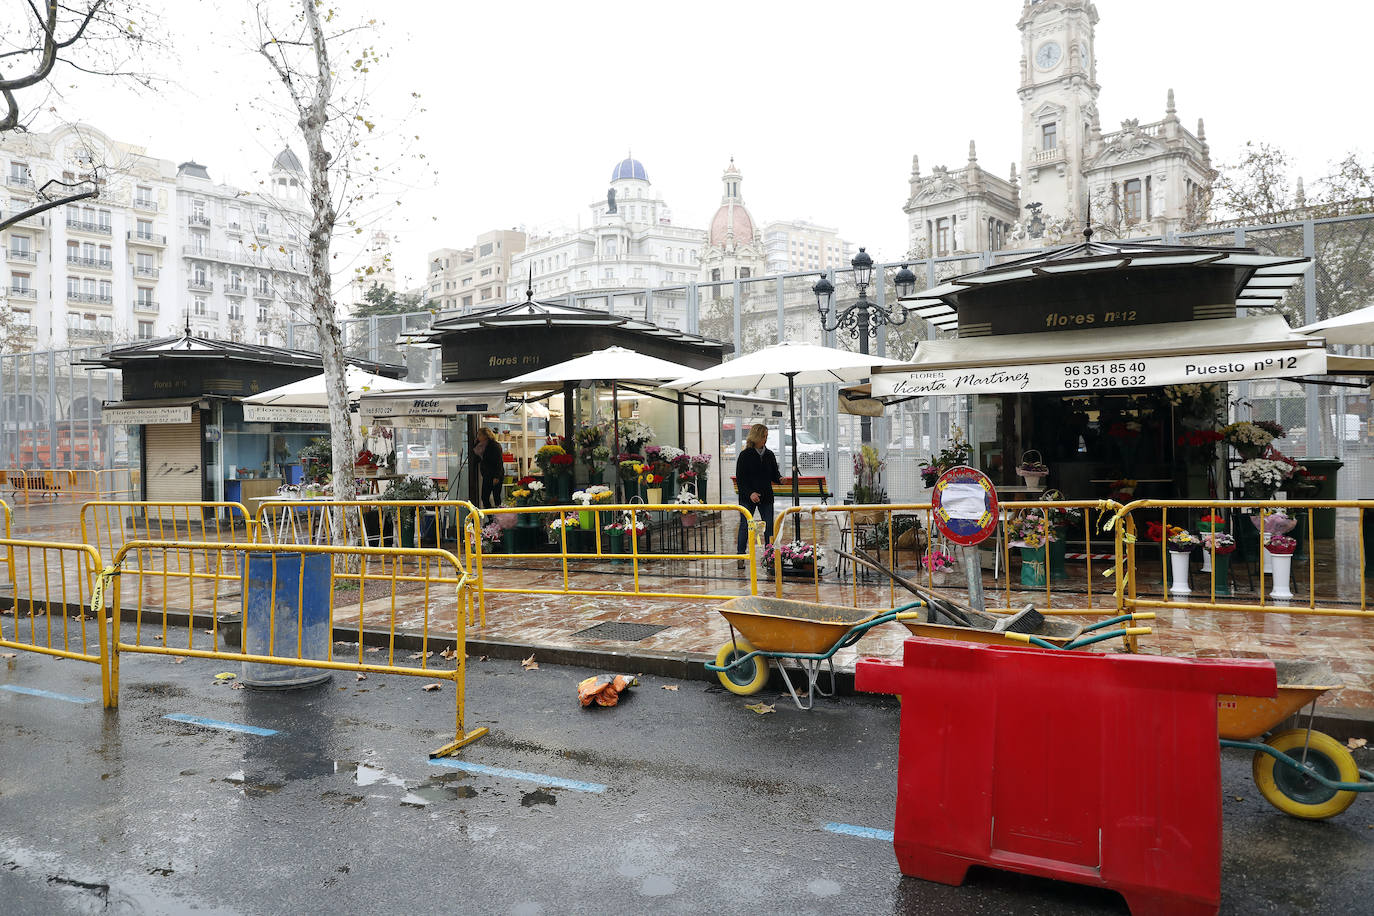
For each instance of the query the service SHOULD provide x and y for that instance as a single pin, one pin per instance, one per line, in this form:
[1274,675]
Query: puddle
[364,775]
[252,789]
[423,796]
[538,797]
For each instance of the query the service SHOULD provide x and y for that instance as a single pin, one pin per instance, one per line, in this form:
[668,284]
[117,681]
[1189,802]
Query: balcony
[146,305]
[149,272]
[198,219]
[20,181]
[90,298]
[23,292]
[200,286]
[23,255]
[90,263]
[233,228]
[235,289]
[79,225]
[148,238]
[145,203]
[201,316]
[1043,157]
[75,333]
[261,293]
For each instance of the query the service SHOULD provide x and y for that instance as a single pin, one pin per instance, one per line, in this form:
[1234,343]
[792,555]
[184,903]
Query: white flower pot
[1281,565]
[1178,572]
[1206,560]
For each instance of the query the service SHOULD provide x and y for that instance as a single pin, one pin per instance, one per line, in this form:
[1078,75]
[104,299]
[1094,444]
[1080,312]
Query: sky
[528,106]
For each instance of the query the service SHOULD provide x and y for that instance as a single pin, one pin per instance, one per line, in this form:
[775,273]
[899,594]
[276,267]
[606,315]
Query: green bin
[1323,520]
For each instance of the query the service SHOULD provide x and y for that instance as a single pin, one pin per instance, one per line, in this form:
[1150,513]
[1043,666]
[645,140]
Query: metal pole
[52,408]
[865,422]
[1309,303]
[973,573]
[792,410]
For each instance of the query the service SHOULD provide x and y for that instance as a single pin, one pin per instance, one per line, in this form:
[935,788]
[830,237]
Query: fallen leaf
[432,686]
[481,658]
[1356,743]
[225,676]
[421,655]
[529,664]
[361,676]
[236,686]
[448,653]
[178,660]
[670,686]
[761,708]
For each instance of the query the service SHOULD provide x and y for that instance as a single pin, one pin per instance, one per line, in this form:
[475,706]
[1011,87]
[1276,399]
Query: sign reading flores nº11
[1102,375]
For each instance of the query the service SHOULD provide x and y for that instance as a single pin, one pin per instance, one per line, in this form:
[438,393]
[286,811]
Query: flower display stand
[1281,567]
[1178,572]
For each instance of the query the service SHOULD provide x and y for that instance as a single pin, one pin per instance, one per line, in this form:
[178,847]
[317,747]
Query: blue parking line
[224,726]
[867,833]
[48,694]
[555,781]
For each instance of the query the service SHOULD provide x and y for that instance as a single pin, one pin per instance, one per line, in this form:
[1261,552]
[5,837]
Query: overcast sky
[531,104]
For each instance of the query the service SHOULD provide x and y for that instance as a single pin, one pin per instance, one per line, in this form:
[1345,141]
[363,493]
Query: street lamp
[863,318]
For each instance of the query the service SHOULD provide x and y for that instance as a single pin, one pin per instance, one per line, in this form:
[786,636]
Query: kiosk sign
[965,506]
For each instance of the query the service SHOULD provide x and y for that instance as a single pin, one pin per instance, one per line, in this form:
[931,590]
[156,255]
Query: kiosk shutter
[172,453]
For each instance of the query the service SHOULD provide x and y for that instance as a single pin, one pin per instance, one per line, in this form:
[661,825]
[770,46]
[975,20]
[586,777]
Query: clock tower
[1058,103]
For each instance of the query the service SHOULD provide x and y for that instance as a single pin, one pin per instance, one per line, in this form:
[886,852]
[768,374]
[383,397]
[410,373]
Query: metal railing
[107,525]
[83,226]
[150,272]
[20,254]
[146,305]
[147,238]
[89,298]
[95,263]
[23,292]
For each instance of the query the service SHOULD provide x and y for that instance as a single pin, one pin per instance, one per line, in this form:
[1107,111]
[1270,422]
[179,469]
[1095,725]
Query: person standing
[756,470]
[491,468]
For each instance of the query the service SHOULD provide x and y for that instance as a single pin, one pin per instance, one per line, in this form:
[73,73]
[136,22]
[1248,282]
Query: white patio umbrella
[1355,327]
[789,364]
[310,392]
[614,365]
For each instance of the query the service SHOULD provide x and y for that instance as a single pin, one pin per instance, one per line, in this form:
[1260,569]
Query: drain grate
[627,632]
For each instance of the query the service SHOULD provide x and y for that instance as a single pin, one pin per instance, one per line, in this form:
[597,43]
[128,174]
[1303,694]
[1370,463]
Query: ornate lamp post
[863,318]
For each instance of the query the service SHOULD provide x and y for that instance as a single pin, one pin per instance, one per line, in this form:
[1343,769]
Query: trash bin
[301,612]
[1323,520]
[1087,767]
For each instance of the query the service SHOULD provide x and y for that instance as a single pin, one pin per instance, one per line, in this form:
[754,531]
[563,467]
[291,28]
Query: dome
[629,168]
[731,217]
[286,161]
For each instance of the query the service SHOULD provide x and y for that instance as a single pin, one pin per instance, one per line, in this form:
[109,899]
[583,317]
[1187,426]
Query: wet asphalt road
[704,805]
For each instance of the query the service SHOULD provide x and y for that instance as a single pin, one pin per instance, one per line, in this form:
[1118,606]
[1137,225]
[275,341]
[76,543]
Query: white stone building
[158,246]
[1145,179]
[798,245]
[734,247]
[475,277]
[631,246]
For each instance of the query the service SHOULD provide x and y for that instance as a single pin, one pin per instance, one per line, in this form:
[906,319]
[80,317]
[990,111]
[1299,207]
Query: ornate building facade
[734,246]
[1145,179]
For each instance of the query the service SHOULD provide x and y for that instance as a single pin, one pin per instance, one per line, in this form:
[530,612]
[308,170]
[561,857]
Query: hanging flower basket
[1032,468]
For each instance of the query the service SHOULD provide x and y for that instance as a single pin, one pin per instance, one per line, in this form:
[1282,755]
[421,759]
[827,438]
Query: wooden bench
[810,487]
[37,482]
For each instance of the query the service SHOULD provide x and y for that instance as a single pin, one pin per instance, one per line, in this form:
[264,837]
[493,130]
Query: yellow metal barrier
[877,524]
[50,591]
[110,524]
[1129,572]
[131,563]
[635,514]
[378,523]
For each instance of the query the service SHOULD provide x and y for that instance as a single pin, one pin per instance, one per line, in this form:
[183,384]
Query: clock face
[1048,55]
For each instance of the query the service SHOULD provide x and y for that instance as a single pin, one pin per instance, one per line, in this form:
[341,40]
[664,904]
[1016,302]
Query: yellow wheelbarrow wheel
[1293,792]
[746,679]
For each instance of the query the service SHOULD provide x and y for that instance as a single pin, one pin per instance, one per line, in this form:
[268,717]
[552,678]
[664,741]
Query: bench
[810,487]
[39,482]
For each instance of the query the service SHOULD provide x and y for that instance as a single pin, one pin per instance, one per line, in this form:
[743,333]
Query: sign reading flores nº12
[1103,375]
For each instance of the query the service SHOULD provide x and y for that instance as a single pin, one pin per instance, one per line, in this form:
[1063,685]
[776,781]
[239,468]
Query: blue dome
[630,168]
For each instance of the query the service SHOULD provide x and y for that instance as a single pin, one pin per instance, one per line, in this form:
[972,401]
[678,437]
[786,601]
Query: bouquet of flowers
[1061,517]
[366,459]
[1201,442]
[634,433]
[1219,541]
[1272,428]
[491,533]
[952,455]
[868,477]
[1276,521]
[561,464]
[675,458]
[648,477]
[686,497]
[1246,437]
[566,521]
[1029,529]
[1281,544]
[597,493]
[793,552]
[1183,541]
[629,468]
[1262,477]
[546,455]
[937,561]
[700,464]
[1154,531]
[1211,522]
[1123,490]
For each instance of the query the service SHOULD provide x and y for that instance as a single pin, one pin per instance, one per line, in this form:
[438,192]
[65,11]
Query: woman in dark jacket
[756,470]
[490,467]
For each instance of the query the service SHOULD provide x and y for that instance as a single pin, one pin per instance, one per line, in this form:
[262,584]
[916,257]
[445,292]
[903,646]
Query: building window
[19,282]
[715,274]
[262,313]
[744,273]
[200,305]
[1049,136]
[1130,204]
[467,301]
[942,236]
[486,294]
[486,271]
[143,296]
[145,229]
[145,330]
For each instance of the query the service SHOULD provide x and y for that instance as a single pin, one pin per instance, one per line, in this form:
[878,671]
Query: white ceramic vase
[1281,566]
[1178,572]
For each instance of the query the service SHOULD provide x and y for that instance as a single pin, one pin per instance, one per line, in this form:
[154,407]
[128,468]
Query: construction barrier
[433,524]
[107,525]
[194,600]
[627,518]
[902,535]
[36,485]
[1250,522]
[50,592]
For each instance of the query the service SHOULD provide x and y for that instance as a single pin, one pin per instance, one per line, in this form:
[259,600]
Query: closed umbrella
[789,364]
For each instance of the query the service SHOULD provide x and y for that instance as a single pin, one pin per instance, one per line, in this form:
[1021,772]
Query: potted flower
[798,557]
[687,497]
[938,565]
[634,434]
[1032,469]
[868,484]
[653,485]
[408,489]
[1030,531]
[629,467]
[1261,478]
[1217,549]
[566,529]
[1247,438]
[317,460]
[1181,546]
[1280,549]
[1061,519]
[667,465]
[953,455]
[492,533]
[596,493]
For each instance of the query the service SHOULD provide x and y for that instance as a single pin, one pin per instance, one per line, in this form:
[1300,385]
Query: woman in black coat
[491,469]
[756,470]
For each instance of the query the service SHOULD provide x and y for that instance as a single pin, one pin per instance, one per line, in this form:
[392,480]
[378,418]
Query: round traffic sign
[965,505]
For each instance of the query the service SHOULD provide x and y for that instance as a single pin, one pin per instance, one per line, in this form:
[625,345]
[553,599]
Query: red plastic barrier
[1092,768]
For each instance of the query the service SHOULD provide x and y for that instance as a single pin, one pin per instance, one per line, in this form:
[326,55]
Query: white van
[810,450]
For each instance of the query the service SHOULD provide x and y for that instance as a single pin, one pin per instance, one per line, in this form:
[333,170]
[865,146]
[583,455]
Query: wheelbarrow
[1302,772]
[800,631]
